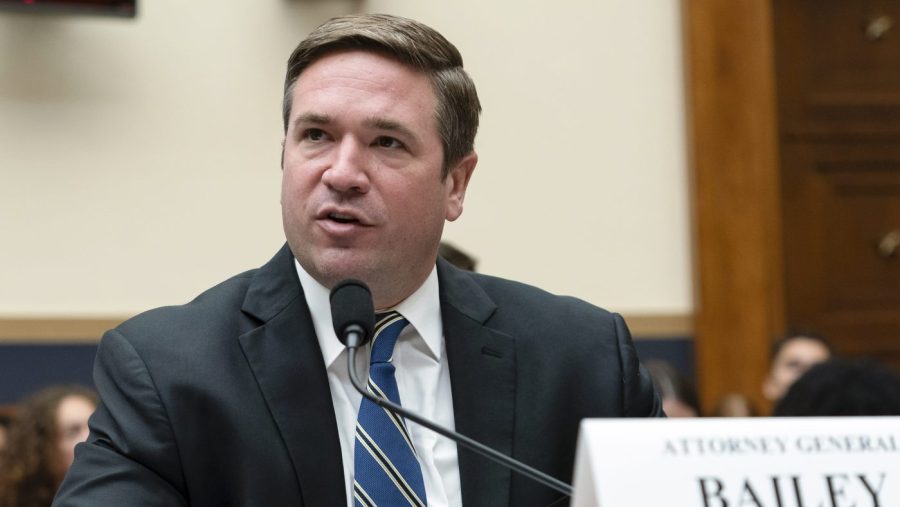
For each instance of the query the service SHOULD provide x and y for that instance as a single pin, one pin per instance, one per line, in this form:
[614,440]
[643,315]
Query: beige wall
[139,158]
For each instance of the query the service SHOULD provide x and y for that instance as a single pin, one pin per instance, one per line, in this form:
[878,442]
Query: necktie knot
[388,326]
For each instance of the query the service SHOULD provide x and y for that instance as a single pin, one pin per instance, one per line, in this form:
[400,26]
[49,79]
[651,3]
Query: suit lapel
[286,360]
[483,378]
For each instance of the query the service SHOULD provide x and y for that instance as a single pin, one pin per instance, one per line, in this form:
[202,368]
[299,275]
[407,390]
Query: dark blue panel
[25,369]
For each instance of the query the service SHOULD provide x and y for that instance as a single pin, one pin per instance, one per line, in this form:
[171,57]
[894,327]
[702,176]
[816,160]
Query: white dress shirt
[423,380]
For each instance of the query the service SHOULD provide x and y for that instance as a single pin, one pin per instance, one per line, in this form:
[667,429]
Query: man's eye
[314,134]
[388,142]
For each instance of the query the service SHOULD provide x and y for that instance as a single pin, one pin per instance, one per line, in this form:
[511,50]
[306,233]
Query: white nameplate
[760,462]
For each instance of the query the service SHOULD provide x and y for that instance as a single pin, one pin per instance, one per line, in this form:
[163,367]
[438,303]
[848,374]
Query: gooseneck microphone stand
[467,442]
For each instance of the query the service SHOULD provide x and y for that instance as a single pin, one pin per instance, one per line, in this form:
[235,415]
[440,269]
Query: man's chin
[330,271]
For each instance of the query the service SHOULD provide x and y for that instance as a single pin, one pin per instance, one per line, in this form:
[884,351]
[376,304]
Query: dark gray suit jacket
[225,400]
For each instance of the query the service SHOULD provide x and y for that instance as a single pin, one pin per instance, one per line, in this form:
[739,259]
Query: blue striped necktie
[386,468]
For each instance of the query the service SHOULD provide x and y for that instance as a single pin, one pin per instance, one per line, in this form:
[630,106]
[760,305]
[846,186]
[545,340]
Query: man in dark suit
[227,400]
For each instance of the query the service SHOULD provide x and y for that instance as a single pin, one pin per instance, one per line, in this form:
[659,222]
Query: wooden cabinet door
[841,223]
[838,87]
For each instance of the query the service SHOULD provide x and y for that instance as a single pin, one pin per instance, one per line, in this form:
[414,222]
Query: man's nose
[347,171]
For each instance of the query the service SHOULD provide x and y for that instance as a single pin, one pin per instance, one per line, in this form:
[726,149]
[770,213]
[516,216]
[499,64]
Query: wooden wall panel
[89,330]
[735,185]
[55,329]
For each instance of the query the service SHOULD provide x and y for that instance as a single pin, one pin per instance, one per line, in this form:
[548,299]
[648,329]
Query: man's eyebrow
[313,118]
[391,125]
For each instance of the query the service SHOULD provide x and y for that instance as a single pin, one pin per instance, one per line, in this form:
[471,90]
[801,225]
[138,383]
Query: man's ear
[282,152]
[457,181]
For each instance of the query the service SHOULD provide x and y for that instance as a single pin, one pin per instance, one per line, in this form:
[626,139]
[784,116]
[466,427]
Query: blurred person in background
[679,398]
[40,444]
[734,405]
[843,387]
[790,357]
[4,428]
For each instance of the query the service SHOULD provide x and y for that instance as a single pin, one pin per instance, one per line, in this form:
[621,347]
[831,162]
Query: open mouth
[342,219]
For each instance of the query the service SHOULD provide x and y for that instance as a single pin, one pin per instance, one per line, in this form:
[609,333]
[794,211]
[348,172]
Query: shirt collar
[422,309]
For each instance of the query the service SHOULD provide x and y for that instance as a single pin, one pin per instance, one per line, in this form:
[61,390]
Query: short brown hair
[411,43]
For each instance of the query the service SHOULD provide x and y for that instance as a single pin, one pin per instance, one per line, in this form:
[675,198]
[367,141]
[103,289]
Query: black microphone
[352,312]
[353,316]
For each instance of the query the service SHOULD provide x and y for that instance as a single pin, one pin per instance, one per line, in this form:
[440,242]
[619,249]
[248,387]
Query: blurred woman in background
[40,444]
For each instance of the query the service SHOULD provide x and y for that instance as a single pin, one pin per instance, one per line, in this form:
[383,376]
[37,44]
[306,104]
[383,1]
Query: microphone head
[351,305]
